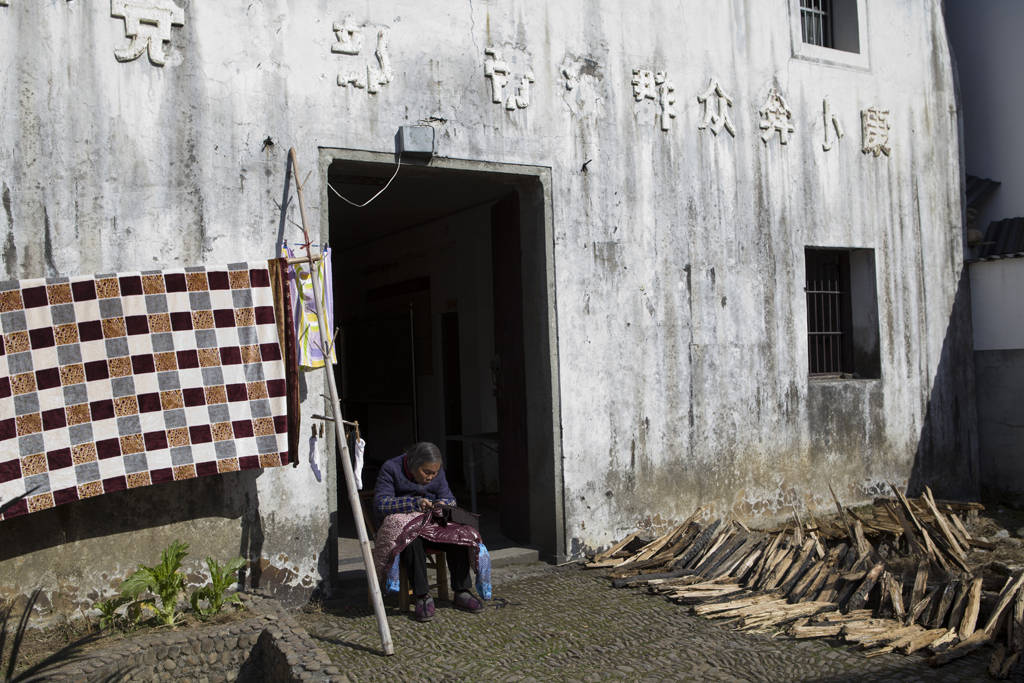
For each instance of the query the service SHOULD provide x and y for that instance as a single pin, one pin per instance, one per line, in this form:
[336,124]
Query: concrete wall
[985,39]
[996,311]
[678,254]
[998,321]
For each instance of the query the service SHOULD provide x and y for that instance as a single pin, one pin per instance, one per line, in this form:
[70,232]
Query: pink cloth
[400,529]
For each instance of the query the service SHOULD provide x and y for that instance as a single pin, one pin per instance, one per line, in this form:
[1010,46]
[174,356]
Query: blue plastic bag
[483,574]
[393,584]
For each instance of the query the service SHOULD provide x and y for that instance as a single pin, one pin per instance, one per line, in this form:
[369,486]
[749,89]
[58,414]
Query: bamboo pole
[339,435]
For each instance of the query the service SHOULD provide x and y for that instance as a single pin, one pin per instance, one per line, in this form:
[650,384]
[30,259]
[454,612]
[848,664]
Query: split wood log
[970,619]
[956,613]
[960,528]
[733,557]
[682,541]
[1016,639]
[830,587]
[943,643]
[745,567]
[713,609]
[816,586]
[766,558]
[1008,593]
[833,617]
[828,630]
[921,607]
[801,562]
[892,592]
[913,632]
[919,528]
[725,535]
[938,615]
[922,641]
[940,520]
[784,614]
[864,548]
[846,522]
[920,584]
[914,544]
[855,630]
[801,587]
[885,637]
[798,530]
[964,647]
[698,546]
[860,596]
[669,584]
[728,545]
[600,557]
[649,550]
[640,579]
[751,609]
[775,575]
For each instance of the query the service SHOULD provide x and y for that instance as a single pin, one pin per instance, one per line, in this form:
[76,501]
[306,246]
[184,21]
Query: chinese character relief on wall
[651,85]
[716,109]
[497,69]
[830,120]
[148,23]
[875,128]
[776,116]
[371,75]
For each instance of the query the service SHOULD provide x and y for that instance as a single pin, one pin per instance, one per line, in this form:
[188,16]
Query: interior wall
[454,253]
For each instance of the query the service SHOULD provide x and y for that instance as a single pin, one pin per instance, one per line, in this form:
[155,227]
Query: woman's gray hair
[422,453]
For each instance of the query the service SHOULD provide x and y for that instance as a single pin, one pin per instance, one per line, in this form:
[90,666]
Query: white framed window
[830,31]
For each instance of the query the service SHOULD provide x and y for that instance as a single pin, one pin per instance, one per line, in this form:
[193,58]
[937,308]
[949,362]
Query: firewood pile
[904,576]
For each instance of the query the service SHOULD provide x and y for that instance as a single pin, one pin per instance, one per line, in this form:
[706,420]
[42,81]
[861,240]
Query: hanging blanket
[111,382]
[401,529]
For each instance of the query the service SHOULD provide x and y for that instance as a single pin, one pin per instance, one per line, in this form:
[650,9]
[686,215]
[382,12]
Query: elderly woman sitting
[409,501]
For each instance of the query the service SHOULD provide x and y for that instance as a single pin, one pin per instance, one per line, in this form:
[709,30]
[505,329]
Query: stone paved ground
[569,624]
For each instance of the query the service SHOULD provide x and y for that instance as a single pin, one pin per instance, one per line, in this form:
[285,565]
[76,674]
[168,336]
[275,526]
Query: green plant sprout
[221,578]
[163,580]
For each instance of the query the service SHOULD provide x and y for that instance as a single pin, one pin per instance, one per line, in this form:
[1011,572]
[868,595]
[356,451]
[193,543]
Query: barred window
[842,313]
[828,312]
[816,22]
[832,24]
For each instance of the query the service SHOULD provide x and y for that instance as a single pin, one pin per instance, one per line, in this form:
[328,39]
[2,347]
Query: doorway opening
[444,295]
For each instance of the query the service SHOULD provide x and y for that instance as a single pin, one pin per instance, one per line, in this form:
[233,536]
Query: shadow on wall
[229,496]
[947,450]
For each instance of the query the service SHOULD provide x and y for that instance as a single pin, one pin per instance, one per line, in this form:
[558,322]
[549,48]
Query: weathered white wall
[678,254]
[985,37]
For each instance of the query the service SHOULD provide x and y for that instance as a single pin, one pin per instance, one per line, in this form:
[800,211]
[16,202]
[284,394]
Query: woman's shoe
[467,602]
[424,608]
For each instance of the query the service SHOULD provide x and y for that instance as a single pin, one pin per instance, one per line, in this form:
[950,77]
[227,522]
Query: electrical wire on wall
[379,192]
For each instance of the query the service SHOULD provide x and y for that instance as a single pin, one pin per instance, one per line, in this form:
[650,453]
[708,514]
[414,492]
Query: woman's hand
[425,504]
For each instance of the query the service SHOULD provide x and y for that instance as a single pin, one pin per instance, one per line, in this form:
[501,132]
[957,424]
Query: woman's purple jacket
[397,492]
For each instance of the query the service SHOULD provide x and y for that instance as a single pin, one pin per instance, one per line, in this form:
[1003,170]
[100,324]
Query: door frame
[544,442]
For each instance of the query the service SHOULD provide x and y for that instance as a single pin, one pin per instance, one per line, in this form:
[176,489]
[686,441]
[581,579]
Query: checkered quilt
[117,381]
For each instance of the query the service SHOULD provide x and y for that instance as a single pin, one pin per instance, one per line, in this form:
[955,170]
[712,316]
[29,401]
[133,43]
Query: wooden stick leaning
[339,435]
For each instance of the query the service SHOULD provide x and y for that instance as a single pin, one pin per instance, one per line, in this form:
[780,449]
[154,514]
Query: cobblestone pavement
[569,624]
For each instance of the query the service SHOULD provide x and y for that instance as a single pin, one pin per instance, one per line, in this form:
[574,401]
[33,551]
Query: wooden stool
[435,560]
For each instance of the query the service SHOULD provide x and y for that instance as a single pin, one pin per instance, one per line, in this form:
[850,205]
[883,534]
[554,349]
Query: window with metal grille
[842,313]
[828,312]
[816,22]
[832,24]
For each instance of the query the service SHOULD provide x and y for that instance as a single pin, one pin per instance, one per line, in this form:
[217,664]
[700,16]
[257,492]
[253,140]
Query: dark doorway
[441,331]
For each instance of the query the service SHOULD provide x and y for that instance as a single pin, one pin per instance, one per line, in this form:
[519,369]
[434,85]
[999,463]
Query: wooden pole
[339,435]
